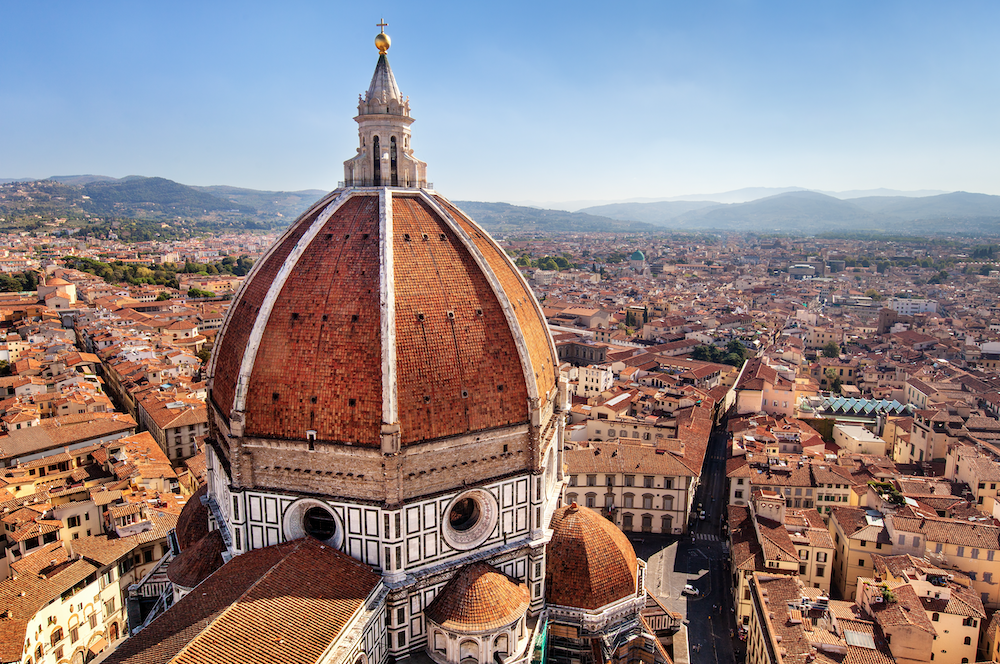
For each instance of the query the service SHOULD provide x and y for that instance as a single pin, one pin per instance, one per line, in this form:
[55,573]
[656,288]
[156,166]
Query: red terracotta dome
[192,524]
[198,561]
[381,308]
[479,598]
[590,563]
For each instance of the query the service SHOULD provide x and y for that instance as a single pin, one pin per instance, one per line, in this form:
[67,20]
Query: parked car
[690,590]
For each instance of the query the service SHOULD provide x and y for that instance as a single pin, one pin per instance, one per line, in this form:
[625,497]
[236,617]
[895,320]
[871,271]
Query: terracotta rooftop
[192,524]
[478,598]
[590,562]
[198,561]
[458,367]
[294,598]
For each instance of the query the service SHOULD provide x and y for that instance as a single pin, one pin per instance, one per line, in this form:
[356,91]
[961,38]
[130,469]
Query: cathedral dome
[590,562]
[192,524]
[382,308]
[477,599]
[198,561]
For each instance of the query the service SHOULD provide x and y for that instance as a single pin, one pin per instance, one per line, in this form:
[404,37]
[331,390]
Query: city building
[385,467]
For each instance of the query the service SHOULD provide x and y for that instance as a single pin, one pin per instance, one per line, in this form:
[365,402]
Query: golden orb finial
[382,41]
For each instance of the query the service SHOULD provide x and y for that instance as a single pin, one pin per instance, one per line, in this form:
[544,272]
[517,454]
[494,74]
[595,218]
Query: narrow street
[701,559]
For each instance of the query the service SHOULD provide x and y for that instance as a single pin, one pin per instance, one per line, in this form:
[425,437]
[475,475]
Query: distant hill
[653,213]
[808,212]
[287,204]
[83,179]
[142,197]
[792,211]
[506,218]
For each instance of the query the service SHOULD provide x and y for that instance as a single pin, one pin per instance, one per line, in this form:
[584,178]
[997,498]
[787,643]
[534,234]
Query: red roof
[319,362]
[590,562]
[477,599]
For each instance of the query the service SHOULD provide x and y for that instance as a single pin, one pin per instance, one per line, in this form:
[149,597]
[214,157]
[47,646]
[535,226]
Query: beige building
[951,607]
[768,537]
[792,623]
[639,487]
[854,439]
[857,534]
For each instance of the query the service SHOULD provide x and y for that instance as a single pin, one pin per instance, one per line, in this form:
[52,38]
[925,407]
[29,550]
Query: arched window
[629,500]
[392,162]
[968,640]
[647,501]
[376,163]
[668,502]
[571,497]
[935,617]
[500,645]
[469,652]
[440,642]
[591,500]
[667,524]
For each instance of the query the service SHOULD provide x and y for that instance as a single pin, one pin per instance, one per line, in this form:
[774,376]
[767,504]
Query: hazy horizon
[596,104]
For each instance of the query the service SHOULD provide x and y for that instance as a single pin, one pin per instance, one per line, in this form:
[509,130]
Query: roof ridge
[294,546]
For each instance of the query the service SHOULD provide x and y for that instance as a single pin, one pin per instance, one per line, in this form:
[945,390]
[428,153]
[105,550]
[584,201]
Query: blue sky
[515,101]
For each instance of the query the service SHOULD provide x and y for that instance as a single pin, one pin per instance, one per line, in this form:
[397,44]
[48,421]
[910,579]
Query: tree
[873,294]
[833,380]
[831,350]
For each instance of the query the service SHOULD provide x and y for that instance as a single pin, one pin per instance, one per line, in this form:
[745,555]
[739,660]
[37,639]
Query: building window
[647,482]
[960,551]
[627,522]
[820,570]
[609,480]
[935,617]
[630,480]
[668,483]
[629,500]
[591,499]
[591,480]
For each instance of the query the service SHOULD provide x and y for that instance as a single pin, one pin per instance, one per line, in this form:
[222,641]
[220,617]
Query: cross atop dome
[382,41]
[384,157]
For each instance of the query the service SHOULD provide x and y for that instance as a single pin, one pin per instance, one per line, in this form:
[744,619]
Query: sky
[514,101]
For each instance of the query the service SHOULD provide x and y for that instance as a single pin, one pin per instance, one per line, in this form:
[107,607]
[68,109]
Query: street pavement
[700,558]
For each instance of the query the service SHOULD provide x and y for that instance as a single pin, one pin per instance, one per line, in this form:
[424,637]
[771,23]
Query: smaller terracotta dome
[192,524]
[478,599]
[197,562]
[590,563]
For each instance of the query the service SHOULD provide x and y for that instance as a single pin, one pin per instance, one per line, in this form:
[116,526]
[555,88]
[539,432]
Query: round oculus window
[464,515]
[470,519]
[313,518]
[319,523]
